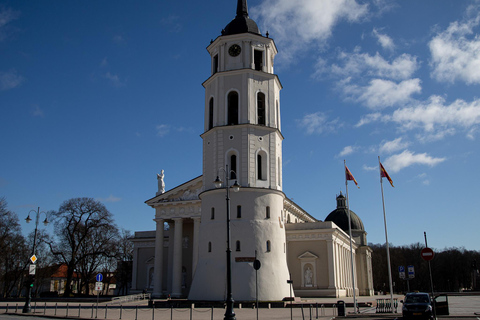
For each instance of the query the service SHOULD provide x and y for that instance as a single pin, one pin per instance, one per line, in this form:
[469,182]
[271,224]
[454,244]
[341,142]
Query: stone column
[158,269]
[177,259]
[331,264]
[196,238]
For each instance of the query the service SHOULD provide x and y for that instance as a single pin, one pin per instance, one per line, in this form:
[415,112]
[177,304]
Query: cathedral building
[242,146]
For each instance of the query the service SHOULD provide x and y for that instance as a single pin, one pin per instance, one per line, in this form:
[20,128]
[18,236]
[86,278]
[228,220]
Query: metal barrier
[385,306]
[131,297]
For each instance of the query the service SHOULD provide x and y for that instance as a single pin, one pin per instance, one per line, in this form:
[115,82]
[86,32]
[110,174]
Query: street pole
[31,278]
[229,313]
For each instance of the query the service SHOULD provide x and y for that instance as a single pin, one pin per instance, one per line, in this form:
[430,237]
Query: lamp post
[31,277]
[229,313]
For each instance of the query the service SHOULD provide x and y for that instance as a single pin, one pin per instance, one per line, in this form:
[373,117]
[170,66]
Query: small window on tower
[233,166]
[237,246]
[261,109]
[239,211]
[209,247]
[210,114]
[232,108]
[267,213]
[258,59]
[268,246]
[212,214]
[215,64]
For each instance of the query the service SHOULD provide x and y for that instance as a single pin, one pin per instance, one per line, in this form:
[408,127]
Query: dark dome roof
[340,216]
[242,23]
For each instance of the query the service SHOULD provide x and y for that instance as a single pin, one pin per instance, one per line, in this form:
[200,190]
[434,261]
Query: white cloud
[6,16]
[434,115]
[368,118]
[385,41]
[455,53]
[172,22]
[393,146]
[381,94]
[10,79]
[114,80]
[294,24]
[407,158]
[367,168]
[355,64]
[162,130]
[111,198]
[318,123]
[346,151]
[37,112]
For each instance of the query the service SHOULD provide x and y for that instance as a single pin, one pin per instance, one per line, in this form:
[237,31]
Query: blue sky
[97,97]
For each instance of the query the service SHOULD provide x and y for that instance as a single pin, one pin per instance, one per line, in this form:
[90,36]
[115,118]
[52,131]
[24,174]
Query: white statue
[161,183]
[308,277]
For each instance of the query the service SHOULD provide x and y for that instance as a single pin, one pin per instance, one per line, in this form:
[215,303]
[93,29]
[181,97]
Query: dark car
[417,305]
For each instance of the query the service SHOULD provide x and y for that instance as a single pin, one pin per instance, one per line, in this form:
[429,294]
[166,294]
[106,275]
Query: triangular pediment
[187,191]
[307,255]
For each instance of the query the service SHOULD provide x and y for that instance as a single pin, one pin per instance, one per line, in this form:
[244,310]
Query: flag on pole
[349,176]
[384,174]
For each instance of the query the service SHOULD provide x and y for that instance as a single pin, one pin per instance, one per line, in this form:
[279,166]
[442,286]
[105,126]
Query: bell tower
[242,139]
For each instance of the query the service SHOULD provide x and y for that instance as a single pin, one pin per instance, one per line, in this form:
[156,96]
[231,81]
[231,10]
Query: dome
[242,23]
[340,216]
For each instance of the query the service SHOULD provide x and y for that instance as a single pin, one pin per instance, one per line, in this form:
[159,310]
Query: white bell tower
[243,134]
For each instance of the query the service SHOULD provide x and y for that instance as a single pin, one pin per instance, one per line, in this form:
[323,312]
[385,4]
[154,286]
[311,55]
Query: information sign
[31,269]
[99,277]
[99,286]
[411,272]
[401,272]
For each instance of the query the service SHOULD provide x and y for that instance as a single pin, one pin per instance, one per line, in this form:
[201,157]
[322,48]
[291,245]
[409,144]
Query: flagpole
[386,237]
[351,246]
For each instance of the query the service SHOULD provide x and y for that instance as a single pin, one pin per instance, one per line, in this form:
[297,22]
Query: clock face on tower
[234,50]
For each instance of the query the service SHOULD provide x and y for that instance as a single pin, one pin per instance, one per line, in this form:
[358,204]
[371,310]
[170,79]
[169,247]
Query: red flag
[349,176]
[384,174]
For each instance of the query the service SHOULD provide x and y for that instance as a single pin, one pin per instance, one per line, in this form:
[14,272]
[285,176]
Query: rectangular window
[267,214]
[215,64]
[239,211]
[258,59]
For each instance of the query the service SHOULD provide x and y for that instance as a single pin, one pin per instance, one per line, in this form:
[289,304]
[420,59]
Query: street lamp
[31,277]
[229,313]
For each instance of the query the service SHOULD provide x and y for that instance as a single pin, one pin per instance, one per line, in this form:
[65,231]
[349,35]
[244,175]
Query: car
[417,305]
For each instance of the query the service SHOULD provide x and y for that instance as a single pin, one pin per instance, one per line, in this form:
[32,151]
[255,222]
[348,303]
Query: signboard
[99,286]
[411,272]
[31,269]
[33,258]
[427,254]
[401,272]
[99,277]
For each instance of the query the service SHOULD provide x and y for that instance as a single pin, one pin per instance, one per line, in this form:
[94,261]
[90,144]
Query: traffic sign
[32,269]
[427,254]
[411,272]
[99,277]
[401,272]
[99,286]
[256,264]
[33,258]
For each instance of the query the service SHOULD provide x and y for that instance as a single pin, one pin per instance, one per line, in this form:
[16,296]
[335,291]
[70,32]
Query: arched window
[262,165]
[239,211]
[237,245]
[268,246]
[267,213]
[261,109]
[209,247]
[212,213]
[278,116]
[288,218]
[279,172]
[210,114]
[232,108]
[233,166]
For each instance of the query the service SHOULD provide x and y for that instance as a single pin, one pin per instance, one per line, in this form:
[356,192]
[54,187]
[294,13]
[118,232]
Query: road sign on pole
[99,277]
[411,272]
[401,272]
[427,254]
[32,269]
[99,286]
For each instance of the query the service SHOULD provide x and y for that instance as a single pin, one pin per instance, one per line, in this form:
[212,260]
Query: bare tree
[14,257]
[85,233]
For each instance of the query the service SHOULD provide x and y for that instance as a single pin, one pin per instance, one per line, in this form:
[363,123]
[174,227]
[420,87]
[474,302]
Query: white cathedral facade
[242,143]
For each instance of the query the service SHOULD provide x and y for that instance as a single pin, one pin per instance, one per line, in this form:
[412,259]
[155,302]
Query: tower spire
[242,8]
